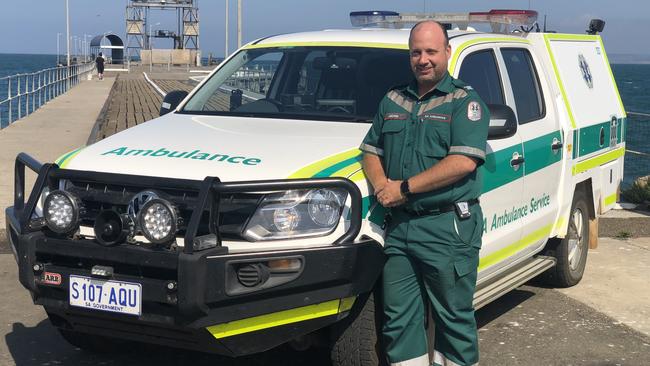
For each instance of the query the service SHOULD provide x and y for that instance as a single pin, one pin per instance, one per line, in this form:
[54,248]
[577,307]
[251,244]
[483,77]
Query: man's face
[429,54]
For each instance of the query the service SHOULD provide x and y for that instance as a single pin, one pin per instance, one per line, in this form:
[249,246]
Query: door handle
[517,161]
[557,145]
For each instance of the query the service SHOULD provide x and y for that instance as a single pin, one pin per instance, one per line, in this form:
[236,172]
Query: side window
[525,84]
[479,70]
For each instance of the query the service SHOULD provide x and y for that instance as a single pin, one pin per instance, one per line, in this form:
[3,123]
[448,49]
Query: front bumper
[193,320]
[206,309]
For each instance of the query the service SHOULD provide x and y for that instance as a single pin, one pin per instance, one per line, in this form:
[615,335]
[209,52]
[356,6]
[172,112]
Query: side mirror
[503,122]
[172,100]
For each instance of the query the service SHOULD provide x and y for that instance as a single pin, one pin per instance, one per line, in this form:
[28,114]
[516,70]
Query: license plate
[114,296]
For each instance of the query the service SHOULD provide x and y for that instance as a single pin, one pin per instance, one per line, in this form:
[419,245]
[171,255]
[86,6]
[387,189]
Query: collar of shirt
[445,86]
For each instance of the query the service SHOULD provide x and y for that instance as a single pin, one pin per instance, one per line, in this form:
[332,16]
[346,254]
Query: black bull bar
[358,263]
[209,190]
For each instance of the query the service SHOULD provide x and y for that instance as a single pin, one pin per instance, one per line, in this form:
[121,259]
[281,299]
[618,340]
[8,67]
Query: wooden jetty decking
[133,101]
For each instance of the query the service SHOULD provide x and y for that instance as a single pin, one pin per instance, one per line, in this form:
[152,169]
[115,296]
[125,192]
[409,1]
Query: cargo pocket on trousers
[465,266]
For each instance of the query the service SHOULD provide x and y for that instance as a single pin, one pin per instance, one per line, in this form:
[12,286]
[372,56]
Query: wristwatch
[404,188]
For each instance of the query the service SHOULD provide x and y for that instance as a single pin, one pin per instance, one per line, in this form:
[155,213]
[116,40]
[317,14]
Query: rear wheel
[355,340]
[571,252]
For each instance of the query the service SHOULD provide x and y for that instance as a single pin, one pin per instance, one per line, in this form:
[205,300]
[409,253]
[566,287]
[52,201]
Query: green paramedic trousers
[432,257]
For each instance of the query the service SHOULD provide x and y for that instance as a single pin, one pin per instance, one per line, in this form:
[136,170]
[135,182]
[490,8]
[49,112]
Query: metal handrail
[26,92]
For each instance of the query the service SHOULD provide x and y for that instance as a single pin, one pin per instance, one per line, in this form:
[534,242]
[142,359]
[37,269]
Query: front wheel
[571,252]
[355,340]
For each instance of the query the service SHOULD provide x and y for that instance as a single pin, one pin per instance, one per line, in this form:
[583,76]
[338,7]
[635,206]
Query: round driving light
[158,220]
[138,201]
[286,219]
[61,211]
[111,228]
[324,207]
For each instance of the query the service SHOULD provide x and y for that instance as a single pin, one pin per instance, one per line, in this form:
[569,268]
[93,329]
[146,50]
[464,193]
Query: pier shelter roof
[114,44]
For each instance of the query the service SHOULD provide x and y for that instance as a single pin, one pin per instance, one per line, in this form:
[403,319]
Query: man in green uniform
[421,156]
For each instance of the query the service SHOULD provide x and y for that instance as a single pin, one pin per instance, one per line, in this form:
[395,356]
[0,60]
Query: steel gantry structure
[138,21]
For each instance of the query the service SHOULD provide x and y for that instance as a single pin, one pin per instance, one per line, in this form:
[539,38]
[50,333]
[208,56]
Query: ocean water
[633,83]
[12,64]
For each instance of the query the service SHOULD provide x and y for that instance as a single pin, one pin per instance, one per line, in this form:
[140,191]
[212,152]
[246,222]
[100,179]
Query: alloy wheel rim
[576,239]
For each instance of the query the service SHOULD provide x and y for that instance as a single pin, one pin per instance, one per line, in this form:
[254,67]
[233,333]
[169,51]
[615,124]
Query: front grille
[141,270]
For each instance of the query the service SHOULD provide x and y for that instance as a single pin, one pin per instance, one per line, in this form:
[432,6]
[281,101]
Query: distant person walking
[99,63]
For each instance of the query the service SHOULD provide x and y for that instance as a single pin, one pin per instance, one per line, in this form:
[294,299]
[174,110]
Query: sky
[31,26]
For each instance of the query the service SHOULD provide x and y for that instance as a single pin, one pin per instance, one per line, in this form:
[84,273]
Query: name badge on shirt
[395,116]
[437,117]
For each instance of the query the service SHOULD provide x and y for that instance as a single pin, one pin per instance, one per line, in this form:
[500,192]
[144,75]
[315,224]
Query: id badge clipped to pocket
[462,210]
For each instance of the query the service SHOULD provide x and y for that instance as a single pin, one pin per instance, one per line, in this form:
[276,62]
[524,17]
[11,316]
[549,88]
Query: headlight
[61,211]
[324,207]
[296,214]
[158,220]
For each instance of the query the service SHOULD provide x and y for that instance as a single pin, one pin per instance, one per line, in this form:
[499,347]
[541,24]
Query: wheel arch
[584,188]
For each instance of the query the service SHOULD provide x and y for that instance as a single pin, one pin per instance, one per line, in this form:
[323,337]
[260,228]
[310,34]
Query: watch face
[404,187]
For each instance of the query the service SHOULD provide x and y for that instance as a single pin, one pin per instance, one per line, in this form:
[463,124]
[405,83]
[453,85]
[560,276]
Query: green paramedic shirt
[411,134]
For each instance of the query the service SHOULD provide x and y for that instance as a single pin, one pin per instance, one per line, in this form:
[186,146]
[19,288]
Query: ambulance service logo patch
[474,112]
[586,71]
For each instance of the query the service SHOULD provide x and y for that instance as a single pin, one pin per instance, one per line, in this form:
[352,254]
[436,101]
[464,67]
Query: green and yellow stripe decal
[556,71]
[290,316]
[597,161]
[512,249]
[611,75]
[610,200]
[65,159]
[395,46]
[454,60]
[340,165]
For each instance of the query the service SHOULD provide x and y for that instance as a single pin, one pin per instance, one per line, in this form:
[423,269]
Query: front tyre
[355,339]
[571,252]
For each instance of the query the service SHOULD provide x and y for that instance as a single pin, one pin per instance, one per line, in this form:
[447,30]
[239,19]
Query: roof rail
[499,19]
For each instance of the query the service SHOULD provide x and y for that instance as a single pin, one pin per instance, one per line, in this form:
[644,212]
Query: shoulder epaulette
[461,84]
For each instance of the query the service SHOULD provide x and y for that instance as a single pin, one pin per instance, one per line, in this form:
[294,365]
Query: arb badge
[474,111]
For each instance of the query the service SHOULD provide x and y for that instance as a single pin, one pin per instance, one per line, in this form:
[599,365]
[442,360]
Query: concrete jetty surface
[601,321]
[60,126]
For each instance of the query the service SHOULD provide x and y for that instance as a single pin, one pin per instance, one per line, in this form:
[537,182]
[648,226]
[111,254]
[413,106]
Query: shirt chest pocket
[393,134]
[434,135]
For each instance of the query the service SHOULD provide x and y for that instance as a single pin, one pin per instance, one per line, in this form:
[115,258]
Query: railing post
[20,104]
[39,90]
[27,95]
[33,94]
[10,101]
[46,85]
[48,88]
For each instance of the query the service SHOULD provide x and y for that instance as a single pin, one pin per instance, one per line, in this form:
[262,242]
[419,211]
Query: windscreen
[312,83]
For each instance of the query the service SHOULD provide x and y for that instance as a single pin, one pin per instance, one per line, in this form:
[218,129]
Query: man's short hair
[442,26]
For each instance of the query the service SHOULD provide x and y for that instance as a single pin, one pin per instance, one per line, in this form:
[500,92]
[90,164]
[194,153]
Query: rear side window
[525,84]
[480,71]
